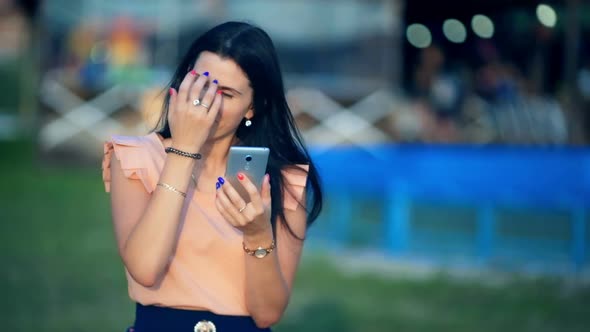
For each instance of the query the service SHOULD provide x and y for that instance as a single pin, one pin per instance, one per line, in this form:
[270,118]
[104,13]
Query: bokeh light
[418,35]
[546,15]
[454,30]
[482,26]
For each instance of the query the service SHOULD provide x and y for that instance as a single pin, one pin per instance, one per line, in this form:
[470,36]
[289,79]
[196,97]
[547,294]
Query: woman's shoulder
[151,140]
[140,157]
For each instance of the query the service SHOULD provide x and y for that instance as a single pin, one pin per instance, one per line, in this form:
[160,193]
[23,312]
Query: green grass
[60,272]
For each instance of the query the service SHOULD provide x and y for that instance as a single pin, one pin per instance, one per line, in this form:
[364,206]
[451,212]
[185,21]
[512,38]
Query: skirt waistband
[156,319]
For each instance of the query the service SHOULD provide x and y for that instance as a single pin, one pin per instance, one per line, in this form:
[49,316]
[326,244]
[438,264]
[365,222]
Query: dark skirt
[161,319]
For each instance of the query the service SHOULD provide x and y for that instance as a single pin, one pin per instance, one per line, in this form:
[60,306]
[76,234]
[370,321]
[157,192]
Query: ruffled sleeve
[133,152]
[295,182]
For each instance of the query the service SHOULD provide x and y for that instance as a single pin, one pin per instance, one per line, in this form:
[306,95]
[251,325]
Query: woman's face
[237,93]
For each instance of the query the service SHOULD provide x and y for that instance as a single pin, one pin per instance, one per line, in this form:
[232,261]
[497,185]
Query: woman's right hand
[190,125]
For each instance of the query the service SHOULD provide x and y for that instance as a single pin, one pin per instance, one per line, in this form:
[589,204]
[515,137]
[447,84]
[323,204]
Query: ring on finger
[196,102]
[243,208]
[204,105]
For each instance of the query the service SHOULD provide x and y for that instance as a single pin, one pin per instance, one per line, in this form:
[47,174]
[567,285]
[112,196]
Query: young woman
[197,255]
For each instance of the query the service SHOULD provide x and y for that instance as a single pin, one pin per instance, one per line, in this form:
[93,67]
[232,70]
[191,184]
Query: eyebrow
[223,87]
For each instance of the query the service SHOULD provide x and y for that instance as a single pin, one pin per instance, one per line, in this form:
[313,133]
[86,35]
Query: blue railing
[484,178]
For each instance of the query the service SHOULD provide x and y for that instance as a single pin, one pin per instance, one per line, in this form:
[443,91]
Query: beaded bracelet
[183,153]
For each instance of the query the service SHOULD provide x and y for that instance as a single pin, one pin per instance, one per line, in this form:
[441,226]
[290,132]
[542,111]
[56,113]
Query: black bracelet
[183,153]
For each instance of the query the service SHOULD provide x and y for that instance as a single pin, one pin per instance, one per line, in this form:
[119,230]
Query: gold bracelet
[259,252]
[169,187]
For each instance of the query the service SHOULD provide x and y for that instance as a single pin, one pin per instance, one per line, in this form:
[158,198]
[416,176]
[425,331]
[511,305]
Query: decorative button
[205,326]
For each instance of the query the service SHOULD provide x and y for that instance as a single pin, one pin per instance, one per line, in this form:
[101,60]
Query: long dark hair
[272,124]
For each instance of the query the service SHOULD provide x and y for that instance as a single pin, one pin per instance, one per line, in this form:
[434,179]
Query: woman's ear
[250,112]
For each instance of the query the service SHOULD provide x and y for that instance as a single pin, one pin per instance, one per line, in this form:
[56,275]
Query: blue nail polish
[217,185]
[215,81]
[221,180]
[206,73]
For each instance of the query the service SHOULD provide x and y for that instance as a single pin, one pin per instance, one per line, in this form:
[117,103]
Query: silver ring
[242,209]
[196,102]
[205,105]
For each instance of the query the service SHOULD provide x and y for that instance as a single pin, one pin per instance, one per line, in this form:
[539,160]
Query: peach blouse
[207,269]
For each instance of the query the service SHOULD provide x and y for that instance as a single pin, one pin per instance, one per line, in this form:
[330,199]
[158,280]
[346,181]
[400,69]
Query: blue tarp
[514,175]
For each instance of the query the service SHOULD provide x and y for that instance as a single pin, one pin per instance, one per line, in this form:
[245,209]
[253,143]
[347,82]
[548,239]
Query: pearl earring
[248,123]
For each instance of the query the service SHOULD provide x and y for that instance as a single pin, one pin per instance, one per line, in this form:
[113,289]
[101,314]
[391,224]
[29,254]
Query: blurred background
[452,137]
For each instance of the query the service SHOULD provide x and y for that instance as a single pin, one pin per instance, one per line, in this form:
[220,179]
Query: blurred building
[357,72]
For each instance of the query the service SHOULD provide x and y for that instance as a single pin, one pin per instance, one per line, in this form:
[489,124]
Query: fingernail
[241,176]
[221,180]
[267,177]
[206,73]
[172,91]
[215,81]
[217,185]
[219,92]
[193,72]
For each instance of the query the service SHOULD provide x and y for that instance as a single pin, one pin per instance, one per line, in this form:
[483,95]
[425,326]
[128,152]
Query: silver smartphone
[249,160]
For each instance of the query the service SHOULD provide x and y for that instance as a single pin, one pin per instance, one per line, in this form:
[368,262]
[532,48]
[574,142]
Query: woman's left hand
[252,218]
